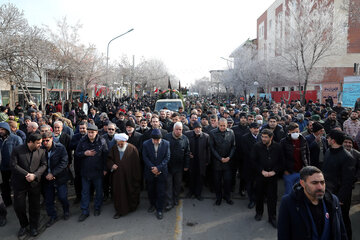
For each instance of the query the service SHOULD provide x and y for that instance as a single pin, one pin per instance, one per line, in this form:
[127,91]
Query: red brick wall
[262,18]
[354,28]
[336,75]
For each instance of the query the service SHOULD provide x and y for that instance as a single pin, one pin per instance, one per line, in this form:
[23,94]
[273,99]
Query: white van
[171,104]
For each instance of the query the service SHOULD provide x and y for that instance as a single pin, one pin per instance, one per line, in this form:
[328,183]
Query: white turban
[121,137]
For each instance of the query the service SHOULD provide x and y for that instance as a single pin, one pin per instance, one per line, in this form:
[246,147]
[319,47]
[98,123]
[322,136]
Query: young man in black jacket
[339,172]
[267,158]
[309,212]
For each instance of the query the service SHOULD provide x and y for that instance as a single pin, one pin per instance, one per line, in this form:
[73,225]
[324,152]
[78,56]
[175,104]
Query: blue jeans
[62,193]
[289,181]
[85,193]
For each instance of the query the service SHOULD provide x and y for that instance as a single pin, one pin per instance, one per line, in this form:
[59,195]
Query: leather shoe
[50,222]
[34,232]
[229,201]
[168,208]
[159,215]
[97,212]
[273,222]
[200,198]
[83,217]
[2,221]
[22,231]
[151,209]
[116,216]
[218,202]
[258,217]
[66,216]
[251,205]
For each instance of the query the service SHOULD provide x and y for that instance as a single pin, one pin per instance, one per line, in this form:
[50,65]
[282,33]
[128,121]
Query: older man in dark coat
[156,155]
[199,159]
[179,162]
[124,162]
[92,150]
[222,143]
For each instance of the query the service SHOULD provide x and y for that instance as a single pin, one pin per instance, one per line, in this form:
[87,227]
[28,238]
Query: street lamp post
[107,59]
[256,84]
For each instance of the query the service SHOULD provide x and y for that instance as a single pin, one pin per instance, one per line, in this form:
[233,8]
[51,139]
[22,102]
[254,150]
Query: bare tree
[13,28]
[313,32]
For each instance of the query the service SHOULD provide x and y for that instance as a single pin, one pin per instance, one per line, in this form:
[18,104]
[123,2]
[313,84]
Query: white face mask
[295,136]
[259,122]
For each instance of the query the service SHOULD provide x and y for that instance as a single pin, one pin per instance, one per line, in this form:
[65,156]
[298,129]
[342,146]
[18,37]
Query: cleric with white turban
[121,137]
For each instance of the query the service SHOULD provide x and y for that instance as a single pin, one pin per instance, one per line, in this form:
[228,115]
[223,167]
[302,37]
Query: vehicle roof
[169,100]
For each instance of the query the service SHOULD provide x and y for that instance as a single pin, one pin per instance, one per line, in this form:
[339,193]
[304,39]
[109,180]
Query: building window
[261,30]
[276,89]
[4,97]
[292,89]
[283,89]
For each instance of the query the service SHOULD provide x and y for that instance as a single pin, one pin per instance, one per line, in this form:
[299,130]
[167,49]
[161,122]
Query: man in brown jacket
[28,163]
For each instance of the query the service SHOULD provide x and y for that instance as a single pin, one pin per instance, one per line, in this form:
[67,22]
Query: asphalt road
[191,220]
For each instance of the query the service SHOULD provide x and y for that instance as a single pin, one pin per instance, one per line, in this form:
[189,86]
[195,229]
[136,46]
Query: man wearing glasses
[55,177]
[109,138]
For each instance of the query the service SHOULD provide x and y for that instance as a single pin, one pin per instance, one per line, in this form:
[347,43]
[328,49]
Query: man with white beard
[124,162]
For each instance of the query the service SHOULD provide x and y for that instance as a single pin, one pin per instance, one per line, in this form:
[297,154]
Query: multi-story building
[271,34]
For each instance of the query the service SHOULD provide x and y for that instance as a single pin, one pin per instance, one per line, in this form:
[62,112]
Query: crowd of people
[115,149]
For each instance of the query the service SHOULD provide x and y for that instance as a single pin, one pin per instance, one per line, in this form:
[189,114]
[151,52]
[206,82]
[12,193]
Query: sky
[190,36]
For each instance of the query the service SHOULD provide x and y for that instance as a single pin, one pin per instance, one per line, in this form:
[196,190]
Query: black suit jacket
[21,165]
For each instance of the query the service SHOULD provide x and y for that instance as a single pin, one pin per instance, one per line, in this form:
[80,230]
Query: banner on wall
[351,90]
[330,90]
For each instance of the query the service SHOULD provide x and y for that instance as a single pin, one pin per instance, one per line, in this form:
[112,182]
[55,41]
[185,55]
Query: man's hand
[30,177]
[50,177]
[265,173]
[272,173]
[286,173]
[105,172]
[154,170]
[191,156]
[90,153]
[114,167]
[185,169]
[225,160]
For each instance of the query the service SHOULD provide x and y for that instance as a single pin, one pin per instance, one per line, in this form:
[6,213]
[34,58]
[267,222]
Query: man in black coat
[222,144]
[309,211]
[237,163]
[199,159]
[3,211]
[331,122]
[77,160]
[28,163]
[276,128]
[92,150]
[247,143]
[55,178]
[339,172]
[135,138]
[179,162]
[317,145]
[267,158]
[155,124]
[296,156]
